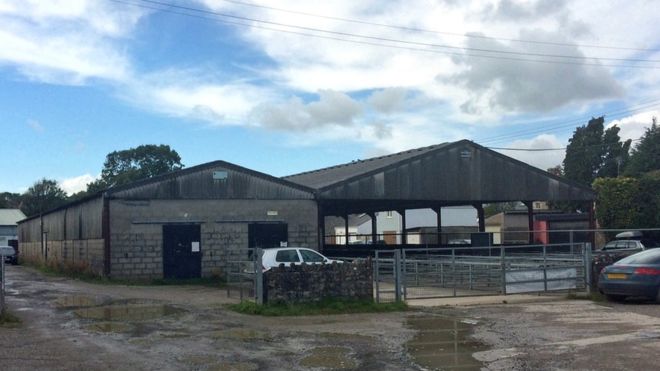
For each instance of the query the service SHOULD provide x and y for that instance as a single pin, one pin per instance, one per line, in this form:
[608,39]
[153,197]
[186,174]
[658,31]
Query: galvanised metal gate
[473,271]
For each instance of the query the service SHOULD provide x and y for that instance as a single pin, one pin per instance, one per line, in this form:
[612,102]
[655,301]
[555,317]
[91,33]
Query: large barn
[189,223]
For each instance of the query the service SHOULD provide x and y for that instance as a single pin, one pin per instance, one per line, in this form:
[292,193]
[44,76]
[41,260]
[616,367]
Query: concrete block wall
[300,283]
[136,230]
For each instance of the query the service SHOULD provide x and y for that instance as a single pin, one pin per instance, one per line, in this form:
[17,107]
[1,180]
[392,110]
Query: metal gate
[474,271]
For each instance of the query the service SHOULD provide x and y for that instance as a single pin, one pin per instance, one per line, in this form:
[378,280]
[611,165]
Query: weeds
[323,307]
[7,319]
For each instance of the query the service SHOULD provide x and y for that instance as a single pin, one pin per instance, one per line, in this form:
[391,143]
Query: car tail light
[647,271]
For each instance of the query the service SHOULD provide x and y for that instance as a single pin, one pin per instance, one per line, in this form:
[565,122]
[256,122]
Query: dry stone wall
[301,283]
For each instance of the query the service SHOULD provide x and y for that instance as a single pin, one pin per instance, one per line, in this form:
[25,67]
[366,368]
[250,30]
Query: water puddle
[110,327]
[78,301]
[336,358]
[127,312]
[242,334]
[443,343]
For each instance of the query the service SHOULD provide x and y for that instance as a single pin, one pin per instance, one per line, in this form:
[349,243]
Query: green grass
[89,277]
[7,319]
[593,296]
[326,306]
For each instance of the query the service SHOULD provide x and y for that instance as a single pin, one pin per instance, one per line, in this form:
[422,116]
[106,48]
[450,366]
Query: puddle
[109,327]
[208,362]
[77,301]
[127,312]
[443,344]
[242,334]
[336,358]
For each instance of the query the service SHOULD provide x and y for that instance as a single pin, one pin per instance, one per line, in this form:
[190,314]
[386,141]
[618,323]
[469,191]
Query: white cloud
[66,42]
[388,100]
[633,127]
[541,159]
[332,108]
[76,183]
[36,126]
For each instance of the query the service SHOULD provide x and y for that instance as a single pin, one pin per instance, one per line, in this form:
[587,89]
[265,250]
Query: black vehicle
[637,275]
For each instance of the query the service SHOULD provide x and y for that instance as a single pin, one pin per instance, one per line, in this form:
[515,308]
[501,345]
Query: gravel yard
[68,324]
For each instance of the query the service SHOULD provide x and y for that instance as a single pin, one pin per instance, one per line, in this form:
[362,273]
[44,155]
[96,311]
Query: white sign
[284,244]
[271,212]
[195,246]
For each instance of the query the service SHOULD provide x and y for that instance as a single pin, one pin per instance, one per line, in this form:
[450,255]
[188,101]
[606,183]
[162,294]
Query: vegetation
[323,307]
[44,195]
[8,319]
[82,272]
[126,166]
[645,157]
[594,152]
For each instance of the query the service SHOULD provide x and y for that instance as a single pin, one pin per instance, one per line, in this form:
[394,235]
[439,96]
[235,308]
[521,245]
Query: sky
[283,87]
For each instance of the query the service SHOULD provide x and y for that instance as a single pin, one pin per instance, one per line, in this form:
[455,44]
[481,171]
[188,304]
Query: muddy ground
[69,325]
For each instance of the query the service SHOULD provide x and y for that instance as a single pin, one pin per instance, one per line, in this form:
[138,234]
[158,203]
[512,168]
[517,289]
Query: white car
[296,255]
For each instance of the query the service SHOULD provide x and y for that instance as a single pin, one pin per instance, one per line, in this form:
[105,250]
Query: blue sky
[82,78]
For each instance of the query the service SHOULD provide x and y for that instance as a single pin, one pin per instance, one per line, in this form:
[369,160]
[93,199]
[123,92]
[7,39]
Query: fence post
[2,285]
[403,274]
[453,269]
[376,276]
[570,241]
[259,277]
[503,267]
[545,269]
[587,266]
[397,275]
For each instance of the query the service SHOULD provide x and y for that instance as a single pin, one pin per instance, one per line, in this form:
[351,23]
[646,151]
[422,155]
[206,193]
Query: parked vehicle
[13,260]
[630,241]
[296,255]
[635,275]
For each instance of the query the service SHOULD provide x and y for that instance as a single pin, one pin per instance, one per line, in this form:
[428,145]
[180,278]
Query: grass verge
[326,306]
[7,319]
[85,275]
[593,296]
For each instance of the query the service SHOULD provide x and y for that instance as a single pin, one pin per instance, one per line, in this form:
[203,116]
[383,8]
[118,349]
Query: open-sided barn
[190,222]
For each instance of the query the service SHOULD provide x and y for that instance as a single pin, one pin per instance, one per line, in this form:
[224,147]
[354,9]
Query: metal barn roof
[10,216]
[458,173]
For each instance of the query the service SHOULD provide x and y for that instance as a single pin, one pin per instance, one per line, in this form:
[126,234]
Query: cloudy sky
[289,86]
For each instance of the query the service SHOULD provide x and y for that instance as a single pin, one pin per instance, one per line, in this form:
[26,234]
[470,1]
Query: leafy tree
[44,195]
[557,170]
[10,200]
[646,155]
[593,151]
[626,202]
[126,166]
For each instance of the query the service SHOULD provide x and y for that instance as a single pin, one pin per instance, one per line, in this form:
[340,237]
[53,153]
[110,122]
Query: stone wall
[299,283]
[136,231]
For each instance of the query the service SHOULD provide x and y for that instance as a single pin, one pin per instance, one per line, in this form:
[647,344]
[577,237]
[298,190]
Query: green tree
[593,151]
[44,195]
[646,154]
[126,166]
[10,200]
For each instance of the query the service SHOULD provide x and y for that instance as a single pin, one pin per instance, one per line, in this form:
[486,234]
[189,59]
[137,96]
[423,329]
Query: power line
[552,149]
[416,29]
[567,124]
[345,34]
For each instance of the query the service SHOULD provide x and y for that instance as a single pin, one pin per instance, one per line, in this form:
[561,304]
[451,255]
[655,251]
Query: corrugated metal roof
[324,177]
[10,216]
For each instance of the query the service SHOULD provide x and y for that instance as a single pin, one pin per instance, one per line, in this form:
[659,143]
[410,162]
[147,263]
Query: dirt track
[69,325]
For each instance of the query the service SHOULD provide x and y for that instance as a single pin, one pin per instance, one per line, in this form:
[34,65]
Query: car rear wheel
[657,297]
[617,298]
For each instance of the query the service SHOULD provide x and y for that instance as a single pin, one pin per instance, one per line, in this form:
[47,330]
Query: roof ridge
[365,160]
